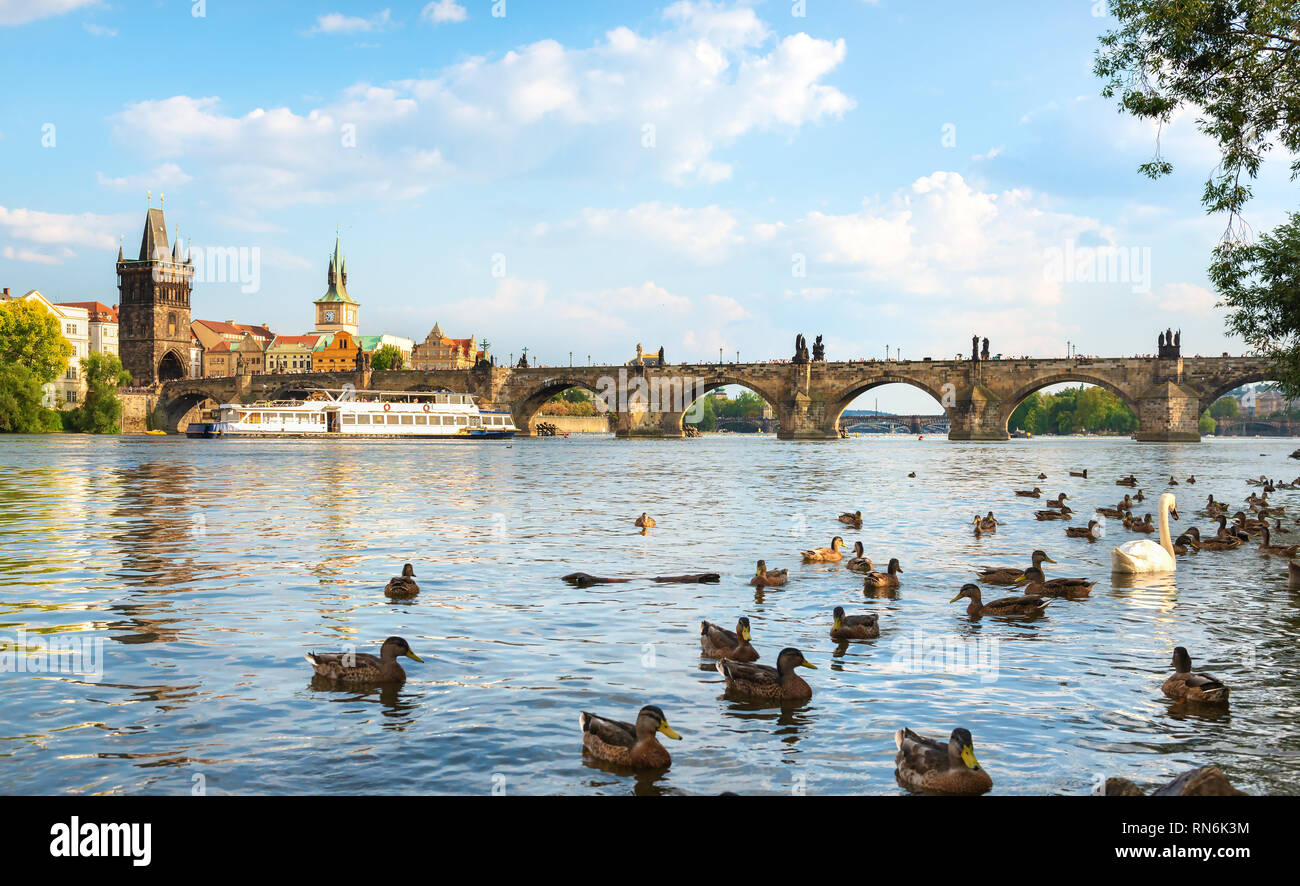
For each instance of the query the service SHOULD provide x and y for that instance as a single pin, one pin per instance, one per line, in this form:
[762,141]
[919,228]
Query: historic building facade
[291,353]
[336,352]
[69,389]
[102,325]
[336,311]
[437,351]
[154,306]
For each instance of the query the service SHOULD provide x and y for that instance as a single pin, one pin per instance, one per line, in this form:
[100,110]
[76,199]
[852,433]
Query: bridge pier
[1169,413]
[978,414]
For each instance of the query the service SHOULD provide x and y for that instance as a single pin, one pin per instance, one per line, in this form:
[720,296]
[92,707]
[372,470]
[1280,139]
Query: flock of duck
[922,764]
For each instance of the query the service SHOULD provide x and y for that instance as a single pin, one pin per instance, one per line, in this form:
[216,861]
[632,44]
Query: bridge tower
[154,306]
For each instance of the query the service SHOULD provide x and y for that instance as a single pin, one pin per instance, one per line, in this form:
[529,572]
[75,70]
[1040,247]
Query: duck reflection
[398,704]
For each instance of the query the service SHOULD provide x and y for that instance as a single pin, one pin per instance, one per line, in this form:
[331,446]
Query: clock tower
[336,311]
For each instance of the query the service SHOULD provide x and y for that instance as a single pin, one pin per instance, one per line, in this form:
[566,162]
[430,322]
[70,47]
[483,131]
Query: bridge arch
[1246,378]
[176,403]
[1061,378]
[701,388]
[526,411]
[835,408]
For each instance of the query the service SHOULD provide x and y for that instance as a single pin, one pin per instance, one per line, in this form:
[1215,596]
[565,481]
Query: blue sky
[581,177]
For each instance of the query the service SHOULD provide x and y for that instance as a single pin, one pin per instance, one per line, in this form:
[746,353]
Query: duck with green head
[361,667]
[928,766]
[780,683]
[626,744]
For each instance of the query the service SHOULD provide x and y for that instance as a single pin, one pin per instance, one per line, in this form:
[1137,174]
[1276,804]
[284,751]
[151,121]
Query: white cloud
[165,175]
[50,228]
[442,11]
[711,75]
[31,255]
[99,30]
[338,23]
[20,12]
[706,234]
[1184,298]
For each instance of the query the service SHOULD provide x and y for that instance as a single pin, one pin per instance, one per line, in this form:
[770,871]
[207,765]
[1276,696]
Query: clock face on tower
[329,316]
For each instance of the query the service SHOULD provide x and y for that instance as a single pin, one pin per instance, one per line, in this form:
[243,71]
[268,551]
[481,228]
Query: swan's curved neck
[1164,530]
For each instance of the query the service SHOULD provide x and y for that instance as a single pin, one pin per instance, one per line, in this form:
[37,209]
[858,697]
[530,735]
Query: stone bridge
[1166,394]
[914,424]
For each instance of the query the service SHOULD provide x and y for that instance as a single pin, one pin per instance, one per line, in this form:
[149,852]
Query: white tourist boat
[349,413]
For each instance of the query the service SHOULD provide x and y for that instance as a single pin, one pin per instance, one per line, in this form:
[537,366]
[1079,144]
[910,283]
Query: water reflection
[212,566]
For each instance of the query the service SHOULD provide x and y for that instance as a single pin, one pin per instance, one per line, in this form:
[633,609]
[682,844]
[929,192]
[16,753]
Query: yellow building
[438,351]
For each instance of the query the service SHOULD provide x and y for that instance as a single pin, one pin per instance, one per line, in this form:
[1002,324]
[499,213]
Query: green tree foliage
[574,401]
[30,335]
[1224,407]
[101,411]
[1207,424]
[1237,63]
[387,357]
[21,411]
[1073,410]
[705,409]
[747,405]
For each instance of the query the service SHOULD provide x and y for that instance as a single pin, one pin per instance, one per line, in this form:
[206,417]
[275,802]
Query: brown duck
[402,587]
[854,627]
[1187,686]
[624,744]
[1006,607]
[780,683]
[361,667]
[768,578]
[718,642]
[933,767]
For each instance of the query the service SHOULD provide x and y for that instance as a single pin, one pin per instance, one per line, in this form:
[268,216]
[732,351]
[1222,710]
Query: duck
[1191,479]
[853,627]
[1083,473]
[1145,556]
[833,554]
[1026,606]
[1172,481]
[645,522]
[1038,585]
[1092,531]
[1145,525]
[876,581]
[1234,531]
[1139,496]
[1189,542]
[1130,480]
[768,578]
[859,562]
[1268,547]
[1279,528]
[624,744]
[718,642]
[912,475]
[402,586]
[1058,502]
[1063,514]
[361,667]
[928,766]
[989,523]
[1007,575]
[1029,493]
[1213,508]
[1223,542]
[1042,476]
[1113,513]
[854,519]
[1187,686]
[761,681]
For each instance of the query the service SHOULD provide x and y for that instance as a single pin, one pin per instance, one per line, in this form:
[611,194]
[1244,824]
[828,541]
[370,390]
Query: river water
[203,570]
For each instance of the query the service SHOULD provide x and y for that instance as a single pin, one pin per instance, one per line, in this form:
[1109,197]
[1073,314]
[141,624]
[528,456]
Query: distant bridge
[977,397]
[1242,426]
[897,424]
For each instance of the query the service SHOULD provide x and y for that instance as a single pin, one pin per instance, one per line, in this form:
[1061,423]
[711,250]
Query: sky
[575,178]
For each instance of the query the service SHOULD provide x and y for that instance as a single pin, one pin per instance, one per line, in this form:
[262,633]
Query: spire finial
[148,196]
[162,199]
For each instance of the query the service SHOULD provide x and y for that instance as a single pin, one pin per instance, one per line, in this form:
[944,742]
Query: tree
[21,409]
[387,357]
[101,412]
[1238,63]
[30,335]
[1074,409]
[1224,407]
[1207,425]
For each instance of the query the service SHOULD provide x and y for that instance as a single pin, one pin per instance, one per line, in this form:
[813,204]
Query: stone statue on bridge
[800,349]
[984,350]
[975,348]
[1170,344]
[819,351]
[661,356]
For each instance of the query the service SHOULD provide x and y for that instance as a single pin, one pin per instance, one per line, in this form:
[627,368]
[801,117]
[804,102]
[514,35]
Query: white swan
[1144,555]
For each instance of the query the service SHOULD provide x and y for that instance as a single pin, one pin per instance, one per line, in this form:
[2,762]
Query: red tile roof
[237,329]
[99,312]
[308,341]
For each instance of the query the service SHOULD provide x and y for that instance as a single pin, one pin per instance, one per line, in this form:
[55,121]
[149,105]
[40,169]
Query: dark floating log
[584,580]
